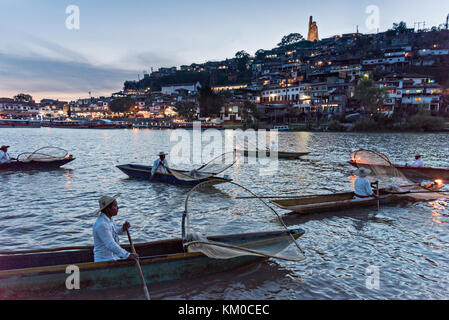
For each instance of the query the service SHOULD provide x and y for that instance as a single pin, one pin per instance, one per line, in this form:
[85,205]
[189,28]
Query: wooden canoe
[33,274]
[144,173]
[34,165]
[414,174]
[280,154]
[345,201]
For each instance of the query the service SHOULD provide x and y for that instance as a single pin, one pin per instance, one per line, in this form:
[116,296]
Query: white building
[191,87]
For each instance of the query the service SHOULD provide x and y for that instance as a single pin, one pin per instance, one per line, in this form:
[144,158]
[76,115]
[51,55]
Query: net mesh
[228,227]
[392,180]
[210,169]
[45,154]
[379,164]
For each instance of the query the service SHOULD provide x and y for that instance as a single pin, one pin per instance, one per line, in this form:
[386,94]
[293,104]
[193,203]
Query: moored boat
[279,154]
[19,123]
[43,273]
[345,201]
[144,173]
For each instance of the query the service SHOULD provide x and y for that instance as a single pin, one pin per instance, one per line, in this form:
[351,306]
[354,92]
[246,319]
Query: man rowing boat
[419,162]
[160,165]
[106,240]
[362,186]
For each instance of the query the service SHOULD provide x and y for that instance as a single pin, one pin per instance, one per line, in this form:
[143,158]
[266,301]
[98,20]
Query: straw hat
[363,172]
[105,201]
[418,154]
[162,154]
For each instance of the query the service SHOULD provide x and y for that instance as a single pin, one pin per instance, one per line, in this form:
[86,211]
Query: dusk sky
[117,40]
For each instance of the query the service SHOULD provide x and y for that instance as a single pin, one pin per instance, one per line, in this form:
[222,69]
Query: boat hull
[280,155]
[345,201]
[144,173]
[161,261]
[34,165]
[415,174]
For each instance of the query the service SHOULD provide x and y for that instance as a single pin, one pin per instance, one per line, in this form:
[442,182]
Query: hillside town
[397,79]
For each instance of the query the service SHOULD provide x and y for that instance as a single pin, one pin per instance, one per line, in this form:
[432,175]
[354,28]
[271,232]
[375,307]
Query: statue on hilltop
[313,30]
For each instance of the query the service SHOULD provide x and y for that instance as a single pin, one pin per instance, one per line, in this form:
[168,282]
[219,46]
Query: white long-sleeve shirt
[106,241]
[418,163]
[160,168]
[362,187]
[4,157]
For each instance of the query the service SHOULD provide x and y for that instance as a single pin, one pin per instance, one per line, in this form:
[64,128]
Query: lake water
[409,245]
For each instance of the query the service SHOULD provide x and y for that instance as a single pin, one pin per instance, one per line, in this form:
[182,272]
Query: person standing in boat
[105,231]
[160,165]
[362,186]
[419,162]
[4,155]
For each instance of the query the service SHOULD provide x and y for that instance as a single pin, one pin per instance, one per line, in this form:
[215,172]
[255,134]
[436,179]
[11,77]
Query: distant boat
[280,154]
[281,128]
[204,125]
[144,173]
[19,123]
[413,174]
[108,124]
[75,124]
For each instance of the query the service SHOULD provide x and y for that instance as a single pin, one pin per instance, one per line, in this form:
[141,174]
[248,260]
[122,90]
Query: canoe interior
[149,250]
[144,172]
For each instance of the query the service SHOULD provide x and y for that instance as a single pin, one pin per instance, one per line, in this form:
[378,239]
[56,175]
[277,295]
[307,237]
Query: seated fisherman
[106,240]
[4,155]
[362,186]
[419,162]
[160,165]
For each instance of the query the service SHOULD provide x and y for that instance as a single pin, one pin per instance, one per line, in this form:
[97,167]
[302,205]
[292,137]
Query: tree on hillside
[249,112]
[186,110]
[370,95]
[260,54]
[290,39]
[242,58]
[210,102]
[242,55]
[23,97]
[122,105]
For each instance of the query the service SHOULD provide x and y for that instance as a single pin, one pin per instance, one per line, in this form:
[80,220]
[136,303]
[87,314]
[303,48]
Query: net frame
[41,155]
[206,170]
[230,251]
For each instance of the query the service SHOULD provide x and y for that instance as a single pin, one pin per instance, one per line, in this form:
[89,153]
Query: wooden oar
[139,269]
[277,197]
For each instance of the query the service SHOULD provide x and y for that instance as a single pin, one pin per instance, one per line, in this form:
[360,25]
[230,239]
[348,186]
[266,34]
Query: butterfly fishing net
[45,154]
[210,169]
[392,179]
[221,226]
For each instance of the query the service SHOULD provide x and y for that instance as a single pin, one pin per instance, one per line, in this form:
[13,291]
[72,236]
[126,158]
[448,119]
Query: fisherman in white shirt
[419,162]
[4,155]
[160,165]
[362,186]
[105,231]
[274,147]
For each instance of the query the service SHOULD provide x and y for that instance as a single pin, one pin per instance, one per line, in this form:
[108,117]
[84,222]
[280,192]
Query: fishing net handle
[381,155]
[185,213]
